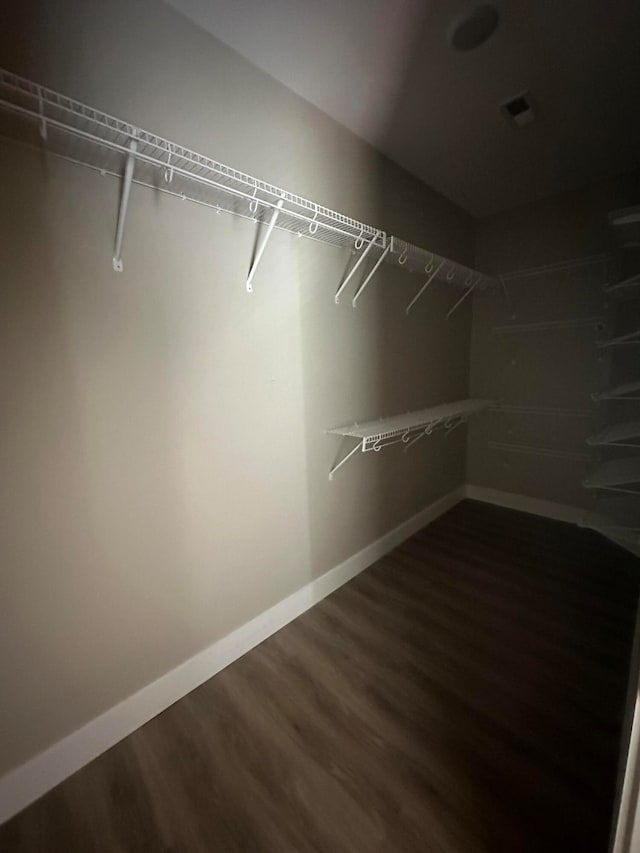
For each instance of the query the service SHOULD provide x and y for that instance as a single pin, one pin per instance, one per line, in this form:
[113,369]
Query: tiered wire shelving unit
[616,480]
[39,117]
[530,334]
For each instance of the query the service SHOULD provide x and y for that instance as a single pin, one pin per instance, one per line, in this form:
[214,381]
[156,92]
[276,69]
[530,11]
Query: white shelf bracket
[357,264]
[467,293]
[424,286]
[124,204]
[344,459]
[371,275]
[263,244]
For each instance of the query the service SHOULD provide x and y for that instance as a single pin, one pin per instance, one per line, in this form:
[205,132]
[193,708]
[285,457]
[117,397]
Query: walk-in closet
[320,433]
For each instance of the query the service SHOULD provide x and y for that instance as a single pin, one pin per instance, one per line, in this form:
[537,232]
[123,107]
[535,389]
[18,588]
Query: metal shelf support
[357,264]
[124,204]
[78,133]
[424,286]
[407,428]
[467,292]
[371,274]
[263,245]
[345,458]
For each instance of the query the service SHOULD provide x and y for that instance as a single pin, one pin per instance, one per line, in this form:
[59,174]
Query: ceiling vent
[519,110]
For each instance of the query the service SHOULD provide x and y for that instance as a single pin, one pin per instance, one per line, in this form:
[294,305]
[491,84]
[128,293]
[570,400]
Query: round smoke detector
[474,27]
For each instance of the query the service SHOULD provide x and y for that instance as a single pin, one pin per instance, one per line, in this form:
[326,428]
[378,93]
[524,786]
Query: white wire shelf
[558,266]
[621,435]
[436,267]
[625,289]
[618,475]
[542,411]
[86,136]
[628,391]
[551,326]
[35,116]
[617,517]
[533,450]
[621,340]
[626,221]
[407,428]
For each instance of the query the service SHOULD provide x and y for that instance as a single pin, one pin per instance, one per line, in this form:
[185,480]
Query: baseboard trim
[22,786]
[534,506]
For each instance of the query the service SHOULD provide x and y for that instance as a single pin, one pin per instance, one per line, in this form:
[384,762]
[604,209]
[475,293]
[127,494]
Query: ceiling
[385,70]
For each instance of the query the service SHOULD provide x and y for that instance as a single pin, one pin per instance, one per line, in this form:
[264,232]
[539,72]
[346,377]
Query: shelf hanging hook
[313,225]
[371,274]
[403,257]
[428,267]
[451,274]
[359,241]
[253,205]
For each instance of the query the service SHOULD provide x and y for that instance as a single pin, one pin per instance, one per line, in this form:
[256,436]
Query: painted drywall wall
[553,369]
[163,456]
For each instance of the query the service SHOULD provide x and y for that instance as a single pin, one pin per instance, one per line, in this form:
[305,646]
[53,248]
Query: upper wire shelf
[34,115]
[89,137]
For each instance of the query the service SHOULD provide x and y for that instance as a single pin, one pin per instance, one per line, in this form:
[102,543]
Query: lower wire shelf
[407,428]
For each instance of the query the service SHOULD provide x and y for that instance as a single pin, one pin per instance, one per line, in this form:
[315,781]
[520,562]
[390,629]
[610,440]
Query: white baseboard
[31,780]
[535,506]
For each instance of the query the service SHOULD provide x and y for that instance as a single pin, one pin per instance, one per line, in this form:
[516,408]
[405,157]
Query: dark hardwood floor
[464,695]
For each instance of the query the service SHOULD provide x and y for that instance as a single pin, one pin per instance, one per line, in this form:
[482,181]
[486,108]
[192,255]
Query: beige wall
[557,369]
[163,460]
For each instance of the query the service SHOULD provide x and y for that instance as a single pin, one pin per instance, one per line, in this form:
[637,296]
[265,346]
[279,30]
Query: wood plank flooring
[464,695]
